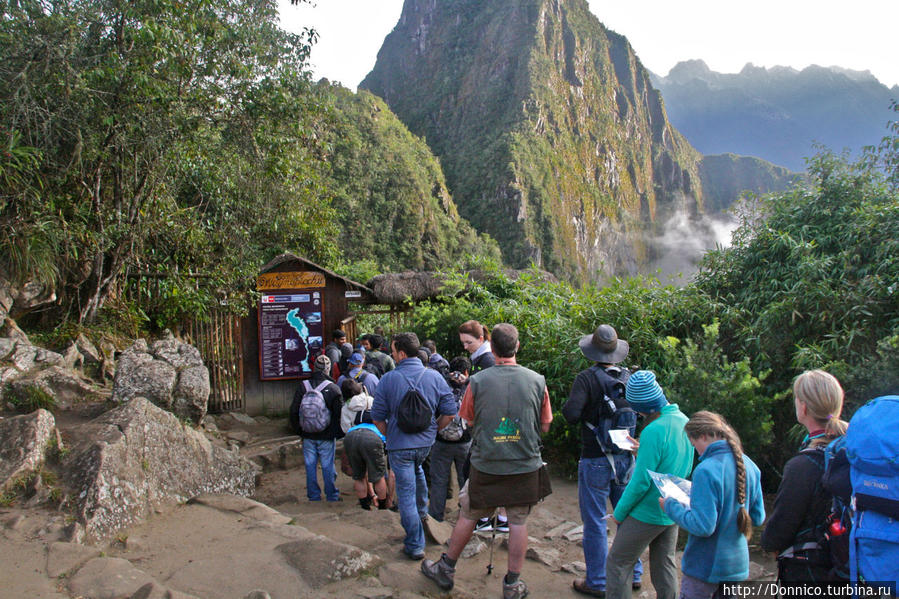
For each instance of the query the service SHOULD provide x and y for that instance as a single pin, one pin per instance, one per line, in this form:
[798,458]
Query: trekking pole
[492,538]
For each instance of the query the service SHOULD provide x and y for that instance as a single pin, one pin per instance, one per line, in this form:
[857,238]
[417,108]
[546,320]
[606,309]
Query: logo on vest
[507,432]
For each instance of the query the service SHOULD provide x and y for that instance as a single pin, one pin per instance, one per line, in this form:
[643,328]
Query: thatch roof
[397,288]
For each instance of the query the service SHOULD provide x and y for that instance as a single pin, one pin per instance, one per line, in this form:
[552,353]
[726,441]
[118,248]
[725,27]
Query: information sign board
[289,324]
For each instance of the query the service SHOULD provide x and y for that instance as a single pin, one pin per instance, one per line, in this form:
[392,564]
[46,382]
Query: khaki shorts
[517,514]
[365,452]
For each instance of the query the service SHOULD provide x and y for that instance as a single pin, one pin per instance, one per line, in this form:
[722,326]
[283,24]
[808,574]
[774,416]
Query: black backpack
[414,414]
[615,413]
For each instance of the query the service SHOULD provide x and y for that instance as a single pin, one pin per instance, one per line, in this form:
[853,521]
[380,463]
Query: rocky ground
[274,544]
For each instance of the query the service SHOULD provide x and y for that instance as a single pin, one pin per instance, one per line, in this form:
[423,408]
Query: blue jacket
[391,389]
[716,550]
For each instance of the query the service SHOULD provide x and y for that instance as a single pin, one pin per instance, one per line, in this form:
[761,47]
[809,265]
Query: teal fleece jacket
[716,550]
[664,448]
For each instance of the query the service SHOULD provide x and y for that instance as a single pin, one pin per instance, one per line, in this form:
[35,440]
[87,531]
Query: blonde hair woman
[802,504]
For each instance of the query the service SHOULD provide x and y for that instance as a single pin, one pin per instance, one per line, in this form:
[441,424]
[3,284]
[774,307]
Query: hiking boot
[516,590]
[440,572]
[484,525]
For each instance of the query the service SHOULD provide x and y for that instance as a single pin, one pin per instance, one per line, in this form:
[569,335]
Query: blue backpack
[836,481]
[872,448]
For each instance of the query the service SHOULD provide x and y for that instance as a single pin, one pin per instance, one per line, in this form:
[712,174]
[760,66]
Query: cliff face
[551,137]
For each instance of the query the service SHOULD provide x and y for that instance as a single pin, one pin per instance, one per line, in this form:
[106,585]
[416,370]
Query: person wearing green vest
[508,408]
[664,448]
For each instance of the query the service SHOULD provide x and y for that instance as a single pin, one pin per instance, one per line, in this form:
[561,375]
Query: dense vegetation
[393,207]
[176,146]
[811,281]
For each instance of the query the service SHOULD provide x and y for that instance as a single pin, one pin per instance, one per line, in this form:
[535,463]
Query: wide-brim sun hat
[604,345]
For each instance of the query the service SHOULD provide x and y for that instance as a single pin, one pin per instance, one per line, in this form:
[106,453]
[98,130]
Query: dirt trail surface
[283,547]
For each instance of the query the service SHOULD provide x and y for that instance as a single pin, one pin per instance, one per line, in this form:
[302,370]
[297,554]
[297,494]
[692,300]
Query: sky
[857,35]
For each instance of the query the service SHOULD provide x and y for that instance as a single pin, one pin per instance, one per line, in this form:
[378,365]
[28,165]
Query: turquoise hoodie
[664,448]
[716,550]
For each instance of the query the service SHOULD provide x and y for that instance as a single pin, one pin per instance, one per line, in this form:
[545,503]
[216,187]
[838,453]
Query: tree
[171,134]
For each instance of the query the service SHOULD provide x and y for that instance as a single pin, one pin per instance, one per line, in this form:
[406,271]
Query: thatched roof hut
[397,288]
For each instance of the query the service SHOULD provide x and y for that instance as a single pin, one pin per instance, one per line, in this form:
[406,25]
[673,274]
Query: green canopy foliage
[172,136]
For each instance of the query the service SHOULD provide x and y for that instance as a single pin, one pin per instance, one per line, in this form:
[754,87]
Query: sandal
[580,585]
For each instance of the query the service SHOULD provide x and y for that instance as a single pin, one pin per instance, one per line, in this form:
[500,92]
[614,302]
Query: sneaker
[636,585]
[501,525]
[414,556]
[516,590]
[484,525]
[440,572]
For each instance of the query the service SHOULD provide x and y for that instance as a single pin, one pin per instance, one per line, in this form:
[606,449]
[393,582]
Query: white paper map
[619,438]
[672,486]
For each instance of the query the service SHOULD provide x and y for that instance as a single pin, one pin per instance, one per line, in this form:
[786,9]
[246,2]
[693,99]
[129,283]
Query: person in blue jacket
[725,502]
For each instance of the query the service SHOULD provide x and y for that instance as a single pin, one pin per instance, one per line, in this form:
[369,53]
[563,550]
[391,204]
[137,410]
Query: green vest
[506,434]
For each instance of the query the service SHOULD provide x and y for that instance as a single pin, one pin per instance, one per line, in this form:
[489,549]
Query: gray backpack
[314,414]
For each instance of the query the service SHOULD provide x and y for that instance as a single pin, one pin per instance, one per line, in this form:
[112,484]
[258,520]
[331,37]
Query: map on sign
[289,325]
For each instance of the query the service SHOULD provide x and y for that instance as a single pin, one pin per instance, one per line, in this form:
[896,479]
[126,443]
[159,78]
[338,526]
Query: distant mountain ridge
[778,113]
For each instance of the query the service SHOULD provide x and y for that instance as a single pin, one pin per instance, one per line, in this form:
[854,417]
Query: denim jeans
[411,494]
[595,484]
[443,456]
[320,451]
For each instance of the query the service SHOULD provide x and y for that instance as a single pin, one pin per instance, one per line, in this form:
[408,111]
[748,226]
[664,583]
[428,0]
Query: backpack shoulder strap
[321,387]
[307,385]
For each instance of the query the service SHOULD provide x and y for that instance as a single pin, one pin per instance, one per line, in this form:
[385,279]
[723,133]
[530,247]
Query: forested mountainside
[392,204]
[551,136]
[777,114]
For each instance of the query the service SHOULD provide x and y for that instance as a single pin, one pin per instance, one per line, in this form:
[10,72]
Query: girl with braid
[725,503]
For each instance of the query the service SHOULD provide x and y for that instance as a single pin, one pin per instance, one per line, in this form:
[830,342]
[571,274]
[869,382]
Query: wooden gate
[219,343]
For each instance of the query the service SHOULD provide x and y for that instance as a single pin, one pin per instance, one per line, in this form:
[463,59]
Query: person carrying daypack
[408,451]
[872,449]
[797,527]
[597,403]
[306,415]
[360,373]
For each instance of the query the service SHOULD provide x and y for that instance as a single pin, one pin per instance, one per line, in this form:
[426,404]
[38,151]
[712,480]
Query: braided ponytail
[714,425]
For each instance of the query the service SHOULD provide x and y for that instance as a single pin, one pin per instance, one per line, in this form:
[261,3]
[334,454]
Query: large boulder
[23,444]
[65,387]
[139,456]
[169,373]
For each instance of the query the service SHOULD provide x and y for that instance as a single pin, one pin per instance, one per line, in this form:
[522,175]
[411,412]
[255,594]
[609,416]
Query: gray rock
[575,534]
[559,530]
[574,567]
[137,457]
[319,560]
[65,557]
[23,444]
[154,590]
[545,555]
[191,393]
[108,578]
[257,594]
[9,328]
[242,437]
[169,373]
[88,350]
[26,357]
[6,347]
[241,418]
[30,296]
[473,547]
[139,375]
[243,506]
[64,386]
[72,358]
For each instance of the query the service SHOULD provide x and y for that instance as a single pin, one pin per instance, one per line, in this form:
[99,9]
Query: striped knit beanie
[643,393]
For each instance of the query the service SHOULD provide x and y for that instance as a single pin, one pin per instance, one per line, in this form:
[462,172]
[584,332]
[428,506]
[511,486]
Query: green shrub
[30,398]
